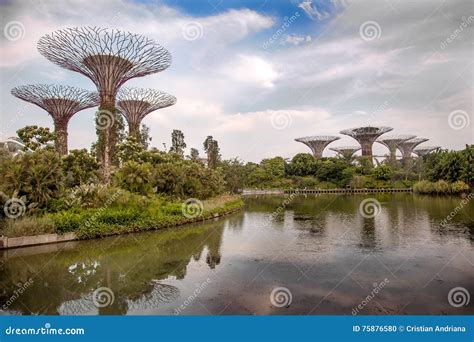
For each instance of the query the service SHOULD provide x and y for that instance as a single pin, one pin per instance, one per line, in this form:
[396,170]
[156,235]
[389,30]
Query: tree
[211,147]
[145,137]
[303,164]
[177,142]
[194,154]
[35,137]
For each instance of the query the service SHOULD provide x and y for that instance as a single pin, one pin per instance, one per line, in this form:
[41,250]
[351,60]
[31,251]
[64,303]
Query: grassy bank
[122,213]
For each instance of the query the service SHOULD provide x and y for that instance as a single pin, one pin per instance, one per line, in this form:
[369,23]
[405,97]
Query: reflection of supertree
[61,102]
[392,142]
[408,146]
[366,137]
[136,103]
[345,151]
[423,151]
[317,143]
[109,58]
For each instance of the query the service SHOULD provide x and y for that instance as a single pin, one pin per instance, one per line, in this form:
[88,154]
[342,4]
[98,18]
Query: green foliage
[35,137]
[451,165]
[442,187]
[131,149]
[135,177]
[194,154]
[144,136]
[383,172]
[303,164]
[80,167]
[177,142]
[211,147]
[459,187]
[37,175]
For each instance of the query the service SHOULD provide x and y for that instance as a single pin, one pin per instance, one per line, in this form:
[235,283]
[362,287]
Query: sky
[258,74]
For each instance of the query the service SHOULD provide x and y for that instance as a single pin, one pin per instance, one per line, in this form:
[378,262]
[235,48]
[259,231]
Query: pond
[297,255]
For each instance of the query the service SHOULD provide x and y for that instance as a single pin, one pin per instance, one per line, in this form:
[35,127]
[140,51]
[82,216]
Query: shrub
[80,167]
[37,175]
[135,177]
[458,187]
[442,187]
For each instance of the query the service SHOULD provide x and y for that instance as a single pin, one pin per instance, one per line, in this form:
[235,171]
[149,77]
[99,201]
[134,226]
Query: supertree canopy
[408,146]
[422,151]
[109,58]
[136,103]
[366,137]
[61,102]
[392,142]
[317,143]
[345,151]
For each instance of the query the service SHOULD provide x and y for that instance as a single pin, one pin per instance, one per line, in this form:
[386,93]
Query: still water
[303,255]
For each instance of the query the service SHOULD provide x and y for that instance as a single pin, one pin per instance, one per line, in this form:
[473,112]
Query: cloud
[313,10]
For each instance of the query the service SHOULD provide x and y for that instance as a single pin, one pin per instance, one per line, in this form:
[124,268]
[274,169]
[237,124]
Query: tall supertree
[345,151]
[392,142]
[109,58]
[366,137]
[61,102]
[136,103]
[423,151]
[408,146]
[317,143]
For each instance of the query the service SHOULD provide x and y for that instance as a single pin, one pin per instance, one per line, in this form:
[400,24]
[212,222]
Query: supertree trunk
[60,129]
[134,130]
[106,125]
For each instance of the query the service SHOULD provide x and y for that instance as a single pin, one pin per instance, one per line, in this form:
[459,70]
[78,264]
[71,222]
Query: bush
[459,187]
[80,167]
[135,177]
[424,187]
[37,175]
[442,187]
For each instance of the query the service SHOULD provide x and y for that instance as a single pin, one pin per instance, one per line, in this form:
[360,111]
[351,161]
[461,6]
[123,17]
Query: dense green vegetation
[449,171]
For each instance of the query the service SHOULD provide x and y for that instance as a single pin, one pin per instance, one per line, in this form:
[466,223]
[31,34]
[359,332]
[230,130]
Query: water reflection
[318,246]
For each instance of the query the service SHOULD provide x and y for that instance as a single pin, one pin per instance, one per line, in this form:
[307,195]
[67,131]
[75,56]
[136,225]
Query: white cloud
[314,11]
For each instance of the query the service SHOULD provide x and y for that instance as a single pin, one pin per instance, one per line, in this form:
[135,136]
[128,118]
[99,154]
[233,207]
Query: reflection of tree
[131,266]
[368,233]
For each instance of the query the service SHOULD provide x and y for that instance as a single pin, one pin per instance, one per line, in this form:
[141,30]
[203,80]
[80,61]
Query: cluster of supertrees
[366,136]
[108,58]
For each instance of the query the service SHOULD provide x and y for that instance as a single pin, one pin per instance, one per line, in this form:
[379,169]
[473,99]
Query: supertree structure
[408,146]
[61,102]
[345,151]
[109,58]
[423,151]
[392,142]
[317,143]
[366,137]
[136,103]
